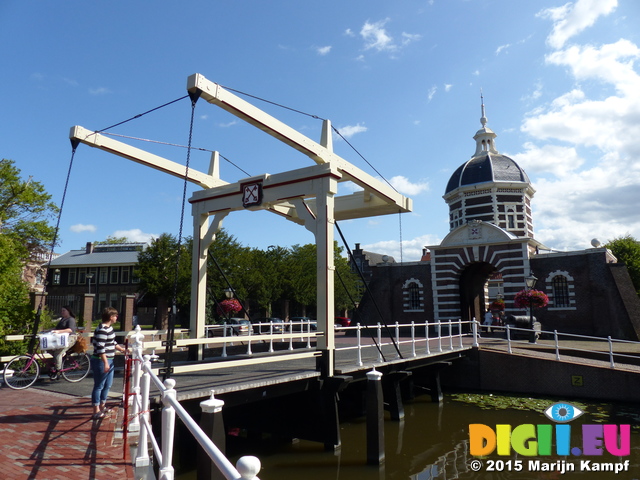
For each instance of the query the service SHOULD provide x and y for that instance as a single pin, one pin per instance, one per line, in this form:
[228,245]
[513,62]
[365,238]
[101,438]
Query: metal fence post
[450,334]
[426,336]
[224,335]
[271,335]
[413,339]
[509,339]
[474,330]
[460,330]
[142,455]
[612,364]
[358,335]
[137,348]
[249,342]
[439,327]
[168,430]
[397,332]
[290,340]
[555,338]
[379,343]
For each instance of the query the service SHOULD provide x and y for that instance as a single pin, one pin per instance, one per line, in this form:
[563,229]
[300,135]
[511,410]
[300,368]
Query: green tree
[112,241]
[269,277]
[25,210]
[158,273]
[627,250]
[304,279]
[15,308]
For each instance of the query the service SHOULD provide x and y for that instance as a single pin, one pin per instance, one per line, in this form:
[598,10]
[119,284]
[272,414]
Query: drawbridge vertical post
[324,231]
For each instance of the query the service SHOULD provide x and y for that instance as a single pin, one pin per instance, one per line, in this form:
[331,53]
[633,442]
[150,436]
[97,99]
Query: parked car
[342,321]
[302,324]
[263,325]
[235,326]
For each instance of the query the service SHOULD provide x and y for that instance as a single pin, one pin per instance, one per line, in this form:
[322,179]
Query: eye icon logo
[563,412]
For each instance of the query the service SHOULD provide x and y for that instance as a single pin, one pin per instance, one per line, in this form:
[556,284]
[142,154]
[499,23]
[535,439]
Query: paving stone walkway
[50,436]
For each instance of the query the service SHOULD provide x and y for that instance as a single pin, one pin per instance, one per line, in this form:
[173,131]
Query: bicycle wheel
[21,372]
[75,366]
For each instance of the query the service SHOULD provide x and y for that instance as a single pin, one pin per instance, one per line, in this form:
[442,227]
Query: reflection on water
[431,443]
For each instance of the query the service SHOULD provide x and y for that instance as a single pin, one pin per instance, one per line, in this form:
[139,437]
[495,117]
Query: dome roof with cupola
[486,164]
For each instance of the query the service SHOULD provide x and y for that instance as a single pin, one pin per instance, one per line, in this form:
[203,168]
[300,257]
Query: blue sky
[400,80]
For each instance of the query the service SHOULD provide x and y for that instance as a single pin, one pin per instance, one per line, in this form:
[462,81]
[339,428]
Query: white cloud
[99,91]
[557,160]
[376,37]
[349,33]
[431,92]
[501,48]
[584,144]
[135,235]
[323,50]
[408,38]
[411,249]
[350,130]
[572,18]
[447,87]
[405,186]
[79,228]
[229,124]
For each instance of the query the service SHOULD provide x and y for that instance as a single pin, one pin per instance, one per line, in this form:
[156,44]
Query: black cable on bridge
[141,114]
[355,311]
[201,149]
[317,117]
[395,345]
[36,323]
[168,370]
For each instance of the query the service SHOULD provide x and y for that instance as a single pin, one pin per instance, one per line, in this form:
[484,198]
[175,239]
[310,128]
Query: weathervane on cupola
[485,137]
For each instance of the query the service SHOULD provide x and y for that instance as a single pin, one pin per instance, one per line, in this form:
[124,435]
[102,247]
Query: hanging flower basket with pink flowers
[497,305]
[531,298]
[230,305]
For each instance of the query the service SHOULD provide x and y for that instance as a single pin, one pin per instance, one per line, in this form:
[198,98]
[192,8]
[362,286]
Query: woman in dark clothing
[104,349]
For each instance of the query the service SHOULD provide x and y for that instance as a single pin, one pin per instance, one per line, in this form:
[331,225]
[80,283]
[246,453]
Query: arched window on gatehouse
[413,296]
[561,291]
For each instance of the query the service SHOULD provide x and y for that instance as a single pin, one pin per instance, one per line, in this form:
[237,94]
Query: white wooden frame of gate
[306,196]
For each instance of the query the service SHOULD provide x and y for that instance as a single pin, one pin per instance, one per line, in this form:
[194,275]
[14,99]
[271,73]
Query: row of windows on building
[510,219]
[100,275]
[558,291]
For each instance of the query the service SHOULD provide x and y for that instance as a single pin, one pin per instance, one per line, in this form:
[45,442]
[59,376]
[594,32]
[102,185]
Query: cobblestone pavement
[50,436]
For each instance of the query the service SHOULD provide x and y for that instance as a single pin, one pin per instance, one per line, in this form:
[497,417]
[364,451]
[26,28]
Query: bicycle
[23,371]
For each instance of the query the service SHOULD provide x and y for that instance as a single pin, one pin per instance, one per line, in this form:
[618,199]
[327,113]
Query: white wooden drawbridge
[307,196]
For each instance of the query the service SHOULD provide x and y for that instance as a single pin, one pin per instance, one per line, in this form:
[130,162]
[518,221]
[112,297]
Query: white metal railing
[143,377]
[608,343]
[448,336]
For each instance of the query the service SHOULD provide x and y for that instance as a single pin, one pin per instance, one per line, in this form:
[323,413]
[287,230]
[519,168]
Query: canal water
[432,443]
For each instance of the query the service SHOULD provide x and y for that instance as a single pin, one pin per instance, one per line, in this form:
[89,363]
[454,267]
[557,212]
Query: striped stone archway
[462,264]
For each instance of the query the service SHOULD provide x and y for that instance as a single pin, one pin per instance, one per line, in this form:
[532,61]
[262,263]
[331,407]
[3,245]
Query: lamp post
[228,292]
[530,282]
[89,277]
